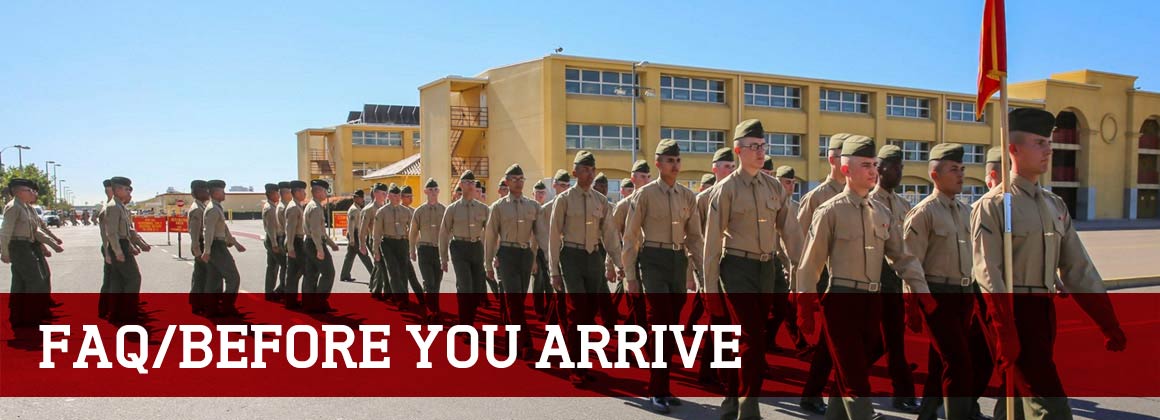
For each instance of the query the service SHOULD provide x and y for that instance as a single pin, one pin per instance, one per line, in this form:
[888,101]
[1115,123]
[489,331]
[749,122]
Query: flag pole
[1008,263]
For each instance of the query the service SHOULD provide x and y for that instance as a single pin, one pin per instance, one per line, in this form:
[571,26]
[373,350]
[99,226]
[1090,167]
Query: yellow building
[539,112]
[240,205]
[370,140]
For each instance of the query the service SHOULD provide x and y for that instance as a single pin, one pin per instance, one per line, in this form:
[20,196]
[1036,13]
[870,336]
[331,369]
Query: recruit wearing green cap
[785,171]
[515,169]
[407,190]
[860,146]
[947,151]
[540,185]
[394,189]
[641,166]
[601,178]
[562,176]
[271,188]
[584,158]
[467,176]
[298,184]
[216,183]
[503,182]
[122,181]
[749,128]
[199,184]
[479,186]
[627,183]
[708,179]
[379,186]
[284,185]
[431,183]
[723,154]
[890,152]
[836,140]
[768,164]
[667,147]
[21,182]
[995,155]
[359,193]
[320,183]
[1032,120]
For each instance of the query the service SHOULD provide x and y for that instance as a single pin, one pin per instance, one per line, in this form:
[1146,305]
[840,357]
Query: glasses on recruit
[756,147]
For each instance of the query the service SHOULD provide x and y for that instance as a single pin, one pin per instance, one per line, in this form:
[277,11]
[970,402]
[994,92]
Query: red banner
[339,220]
[179,224]
[145,224]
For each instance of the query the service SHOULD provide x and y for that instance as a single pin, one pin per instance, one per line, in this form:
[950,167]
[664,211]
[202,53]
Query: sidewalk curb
[1130,282]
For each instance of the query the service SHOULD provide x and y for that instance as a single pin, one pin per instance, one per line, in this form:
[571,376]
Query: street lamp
[55,165]
[18,148]
[635,95]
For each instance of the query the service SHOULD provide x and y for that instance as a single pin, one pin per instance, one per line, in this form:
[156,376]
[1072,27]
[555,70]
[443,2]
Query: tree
[31,171]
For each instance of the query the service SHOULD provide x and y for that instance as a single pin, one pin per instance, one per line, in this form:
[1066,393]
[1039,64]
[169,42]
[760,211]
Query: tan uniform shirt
[391,221]
[424,229]
[215,226]
[270,223]
[895,204]
[99,215]
[938,232]
[353,222]
[583,218]
[828,189]
[294,223]
[367,223]
[18,224]
[853,235]
[195,224]
[314,224]
[280,218]
[748,213]
[1042,237]
[620,213]
[118,225]
[664,214]
[465,220]
[786,265]
[544,222]
[510,221]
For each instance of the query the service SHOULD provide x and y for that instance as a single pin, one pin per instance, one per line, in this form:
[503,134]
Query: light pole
[635,95]
[20,154]
[55,165]
[16,146]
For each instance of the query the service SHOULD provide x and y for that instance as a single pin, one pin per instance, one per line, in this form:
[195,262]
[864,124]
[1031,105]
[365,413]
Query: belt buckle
[764,257]
[965,281]
[676,247]
[523,246]
[874,287]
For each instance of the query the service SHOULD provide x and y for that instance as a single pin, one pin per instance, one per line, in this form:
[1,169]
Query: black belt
[854,284]
[427,244]
[465,239]
[397,238]
[748,255]
[949,281]
[514,244]
[663,245]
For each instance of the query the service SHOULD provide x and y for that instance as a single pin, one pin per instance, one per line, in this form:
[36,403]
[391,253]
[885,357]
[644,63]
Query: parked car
[49,218]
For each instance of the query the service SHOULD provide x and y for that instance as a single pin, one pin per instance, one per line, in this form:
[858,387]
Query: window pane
[680,82]
[610,77]
[591,131]
[716,85]
[700,84]
[762,100]
[571,74]
[700,96]
[749,88]
[591,76]
[590,88]
[572,130]
[682,95]
[572,87]
[666,81]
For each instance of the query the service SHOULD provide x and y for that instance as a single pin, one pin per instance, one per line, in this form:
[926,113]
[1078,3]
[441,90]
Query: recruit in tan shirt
[367,224]
[510,220]
[391,221]
[18,224]
[314,225]
[353,222]
[294,223]
[893,203]
[464,219]
[582,217]
[828,189]
[665,214]
[215,226]
[424,227]
[543,225]
[853,236]
[938,232]
[1043,240]
[748,213]
[195,225]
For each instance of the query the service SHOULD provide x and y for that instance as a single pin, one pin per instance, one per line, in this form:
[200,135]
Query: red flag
[992,53]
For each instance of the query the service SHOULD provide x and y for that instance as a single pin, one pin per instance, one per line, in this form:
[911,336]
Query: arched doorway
[1066,157]
[1148,170]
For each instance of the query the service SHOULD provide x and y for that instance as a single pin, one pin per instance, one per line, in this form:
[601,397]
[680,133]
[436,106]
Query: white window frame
[798,191]
[974,154]
[783,144]
[913,150]
[847,101]
[963,111]
[823,146]
[688,139]
[767,95]
[599,137]
[670,91]
[415,140]
[972,193]
[376,138]
[603,85]
[908,107]
[913,192]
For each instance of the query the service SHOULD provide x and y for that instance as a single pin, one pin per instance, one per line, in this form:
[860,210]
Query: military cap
[479,186]
[107,183]
[627,183]
[407,190]
[515,169]
[860,146]
[723,154]
[122,181]
[394,189]
[359,193]
[459,189]
[836,140]
[785,171]
[668,147]
[640,166]
[768,164]
[503,183]
[431,183]
[298,184]
[601,178]
[274,188]
[198,184]
[284,184]
[995,155]
[947,151]
[467,176]
[22,182]
[749,128]
[216,183]
[320,183]
[1032,120]
[584,158]
[708,179]
[540,185]
[379,186]
[562,176]
[890,152]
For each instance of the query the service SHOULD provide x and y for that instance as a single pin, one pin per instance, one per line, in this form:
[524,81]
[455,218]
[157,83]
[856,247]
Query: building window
[971,193]
[596,82]
[415,138]
[913,151]
[363,168]
[693,90]
[823,146]
[377,138]
[973,153]
[962,111]
[598,137]
[913,192]
[695,141]
[774,96]
[781,144]
[844,101]
[907,106]
[798,191]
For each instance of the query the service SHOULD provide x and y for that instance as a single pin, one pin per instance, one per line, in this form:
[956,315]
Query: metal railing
[469,116]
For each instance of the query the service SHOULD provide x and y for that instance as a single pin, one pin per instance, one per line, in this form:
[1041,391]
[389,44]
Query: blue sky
[164,92]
